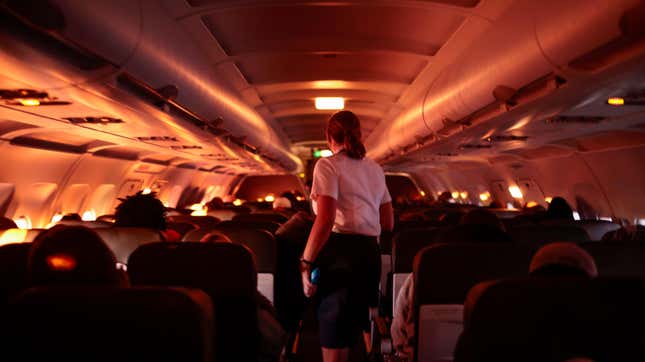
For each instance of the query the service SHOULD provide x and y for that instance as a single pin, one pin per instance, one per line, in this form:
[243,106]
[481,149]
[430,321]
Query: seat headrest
[448,271]
[220,269]
[556,319]
[109,324]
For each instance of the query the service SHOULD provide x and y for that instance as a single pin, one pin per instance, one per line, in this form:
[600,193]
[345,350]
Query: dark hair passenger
[72,255]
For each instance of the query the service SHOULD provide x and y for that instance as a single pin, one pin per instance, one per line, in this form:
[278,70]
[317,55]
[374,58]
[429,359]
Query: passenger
[71,217]
[291,237]
[559,209]
[352,205]
[445,198]
[555,260]
[402,329]
[282,205]
[144,211]
[66,255]
[272,335]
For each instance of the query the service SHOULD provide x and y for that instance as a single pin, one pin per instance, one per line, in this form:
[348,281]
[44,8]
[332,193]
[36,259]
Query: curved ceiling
[280,55]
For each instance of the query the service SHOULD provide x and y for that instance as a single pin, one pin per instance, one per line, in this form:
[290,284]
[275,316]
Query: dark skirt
[350,269]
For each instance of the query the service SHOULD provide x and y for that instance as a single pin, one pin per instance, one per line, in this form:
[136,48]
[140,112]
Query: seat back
[405,246]
[596,229]
[556,319]
[269,226]
[617,260]
[205,222]
[124,240]
[13,269]
[272,217]
[224,271]
[109,324]
[542,234]
[260,242]
[443,275]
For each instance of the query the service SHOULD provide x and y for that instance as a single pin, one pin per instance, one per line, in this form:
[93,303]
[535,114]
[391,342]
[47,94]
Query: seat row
[112,320]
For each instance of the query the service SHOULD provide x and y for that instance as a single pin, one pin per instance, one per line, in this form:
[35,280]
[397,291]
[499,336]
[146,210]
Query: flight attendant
[352,206]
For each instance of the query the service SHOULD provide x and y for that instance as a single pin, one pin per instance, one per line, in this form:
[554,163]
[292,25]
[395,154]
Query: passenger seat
[540,319]
[108,324]
[225,271]
[443,275]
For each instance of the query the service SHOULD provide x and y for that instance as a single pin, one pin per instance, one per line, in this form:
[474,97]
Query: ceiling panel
[284,67]
[332,28]
[461,3]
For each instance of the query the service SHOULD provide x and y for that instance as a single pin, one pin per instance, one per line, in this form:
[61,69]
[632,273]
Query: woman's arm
[326,208]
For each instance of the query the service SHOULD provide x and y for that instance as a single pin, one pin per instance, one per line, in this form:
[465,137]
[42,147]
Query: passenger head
[216,237]
[559,209]
[445,197]
[141,210]
[626,234]
[216,203]
[482,217]
[344,128]
[72,255]
[282,203]
[291,196]
[563,259]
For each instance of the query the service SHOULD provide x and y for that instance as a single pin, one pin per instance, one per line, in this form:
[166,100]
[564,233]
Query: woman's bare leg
[335,354]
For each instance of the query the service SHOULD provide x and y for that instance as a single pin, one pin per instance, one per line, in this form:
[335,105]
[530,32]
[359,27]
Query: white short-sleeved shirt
[358,186]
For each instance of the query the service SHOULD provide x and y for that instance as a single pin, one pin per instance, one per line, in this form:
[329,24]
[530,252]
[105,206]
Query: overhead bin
[529,41]
[138,38]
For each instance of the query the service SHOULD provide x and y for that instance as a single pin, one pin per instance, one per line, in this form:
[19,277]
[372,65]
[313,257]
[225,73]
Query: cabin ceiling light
[330,103]
[616,101]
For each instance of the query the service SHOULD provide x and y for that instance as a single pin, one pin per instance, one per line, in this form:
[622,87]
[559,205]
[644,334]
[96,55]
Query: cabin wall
[38,184]
[603,183]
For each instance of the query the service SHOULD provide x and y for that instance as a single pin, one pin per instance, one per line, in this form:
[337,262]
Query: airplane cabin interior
[511,134]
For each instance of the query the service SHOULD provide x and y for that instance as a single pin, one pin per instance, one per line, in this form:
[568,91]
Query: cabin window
[103,199]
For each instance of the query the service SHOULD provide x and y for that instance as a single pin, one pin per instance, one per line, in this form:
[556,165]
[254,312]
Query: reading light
[61,262]
[531,204]
[89,215]
[238,202]
[300,198]
[422,193]
[29,102]
[455,195]
[548,199]
[146,191]
[484,196]
[260,199]
[515,192]
[269,198]
[330,103]
[464,195]
[616,101]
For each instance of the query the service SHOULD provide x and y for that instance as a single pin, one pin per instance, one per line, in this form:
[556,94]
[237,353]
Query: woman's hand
[307,286]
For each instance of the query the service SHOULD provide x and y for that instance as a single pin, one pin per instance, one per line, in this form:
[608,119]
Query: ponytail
[353,146]
[345,129]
